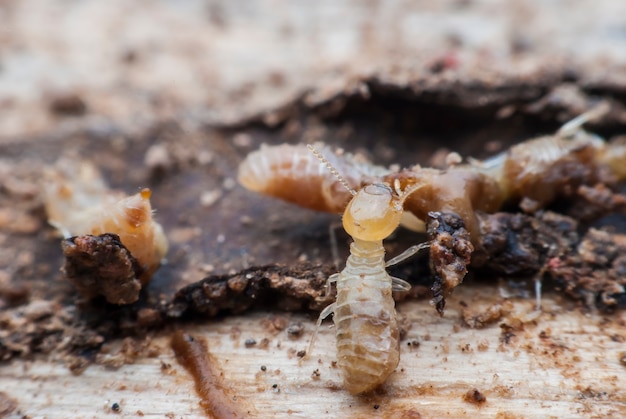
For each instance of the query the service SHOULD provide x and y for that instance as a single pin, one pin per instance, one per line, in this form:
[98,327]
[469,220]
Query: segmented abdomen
[293,173]
[365,318]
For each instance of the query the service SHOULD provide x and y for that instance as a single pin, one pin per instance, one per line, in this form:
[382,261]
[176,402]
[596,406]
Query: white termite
[364,311]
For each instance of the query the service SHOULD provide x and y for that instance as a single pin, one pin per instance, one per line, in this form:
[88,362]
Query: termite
[364,311]
[292,173]
[532,174]
[78,202]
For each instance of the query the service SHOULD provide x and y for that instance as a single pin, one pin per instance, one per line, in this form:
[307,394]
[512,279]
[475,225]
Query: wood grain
[564,363]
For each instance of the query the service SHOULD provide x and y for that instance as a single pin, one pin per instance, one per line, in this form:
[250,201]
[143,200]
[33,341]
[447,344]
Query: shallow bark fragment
[102,266]
[287,288]
[596,272]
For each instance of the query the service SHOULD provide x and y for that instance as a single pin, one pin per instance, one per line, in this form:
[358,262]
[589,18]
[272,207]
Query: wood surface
[158,73]
[563,363]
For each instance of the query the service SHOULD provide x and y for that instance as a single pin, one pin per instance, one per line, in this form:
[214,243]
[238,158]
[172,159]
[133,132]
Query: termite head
[374,211]
[373,214]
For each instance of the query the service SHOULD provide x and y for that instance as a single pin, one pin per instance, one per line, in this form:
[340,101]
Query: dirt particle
[479,317]
[413,343]
[249,343]
[229,184]
[622,358]
[316,374]
[294,331]
[475,396]
[148,317]
[68,104]
[278,323]
[157,158]
[242,140]
[209,198]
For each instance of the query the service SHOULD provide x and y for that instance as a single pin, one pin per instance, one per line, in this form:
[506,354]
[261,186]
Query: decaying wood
[371,91]
[562,361]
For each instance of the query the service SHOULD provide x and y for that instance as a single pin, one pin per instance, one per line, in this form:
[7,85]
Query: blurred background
[220,62]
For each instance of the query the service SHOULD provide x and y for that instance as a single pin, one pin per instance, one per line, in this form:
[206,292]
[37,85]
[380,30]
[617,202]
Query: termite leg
[406,254]
[325,313]
[538,285]
[569,128]
[334,250]
[330,280]
[399,284]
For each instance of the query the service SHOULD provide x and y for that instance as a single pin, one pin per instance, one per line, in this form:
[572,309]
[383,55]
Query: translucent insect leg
[538,284]
[571,127]
[399,284]
[407,254]
[330,280]
[334,249]
[325,313]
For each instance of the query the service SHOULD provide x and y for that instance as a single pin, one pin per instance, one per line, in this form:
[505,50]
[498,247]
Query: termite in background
[367,331]
[78,202]
[449,202]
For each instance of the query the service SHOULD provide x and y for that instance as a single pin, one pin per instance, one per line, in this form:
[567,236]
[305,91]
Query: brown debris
[37,327]
[295,330]
[286,288]
[102,266]
[520,245]
[595,272]
[18,222]
[479,317]
[450,253]
[69,104]
[114,356]
[12,293]
[595,202]
[474,396]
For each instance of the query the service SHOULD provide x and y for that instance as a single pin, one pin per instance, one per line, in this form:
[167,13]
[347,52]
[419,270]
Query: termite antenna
[331,168]
[403,195]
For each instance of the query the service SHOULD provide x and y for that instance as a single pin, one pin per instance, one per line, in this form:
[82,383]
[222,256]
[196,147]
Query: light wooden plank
[574,370]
